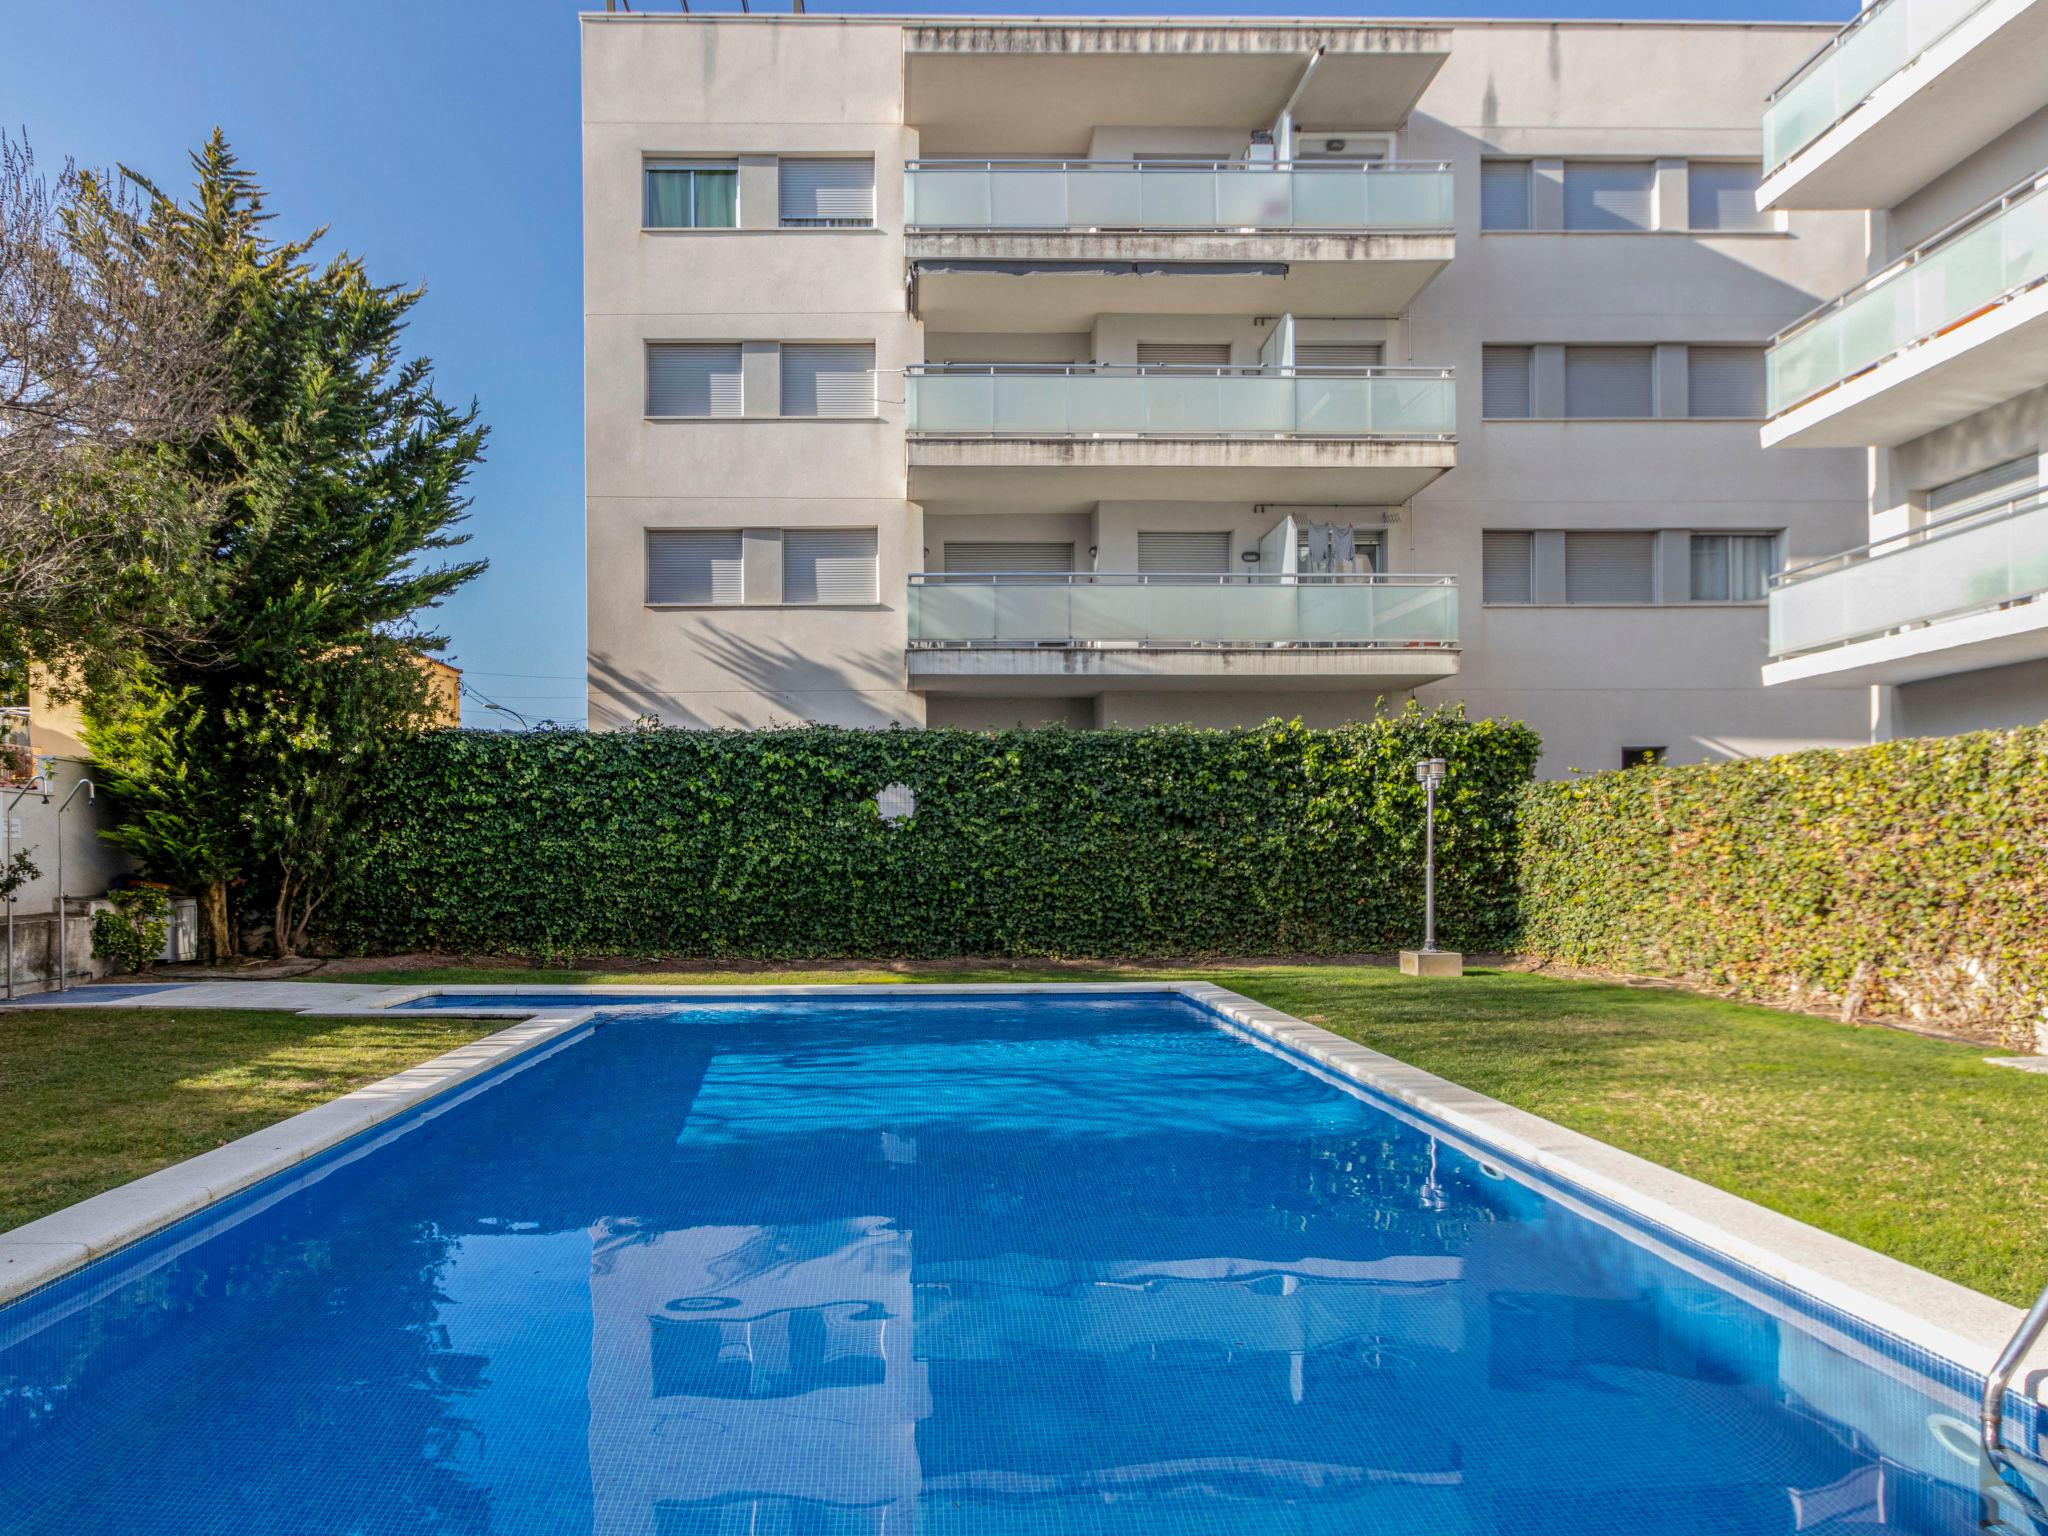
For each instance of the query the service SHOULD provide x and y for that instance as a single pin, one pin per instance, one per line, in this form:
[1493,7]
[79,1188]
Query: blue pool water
[884,1267]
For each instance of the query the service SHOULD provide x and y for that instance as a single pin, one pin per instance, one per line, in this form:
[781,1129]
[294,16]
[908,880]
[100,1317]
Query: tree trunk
[215,947]
[281,921]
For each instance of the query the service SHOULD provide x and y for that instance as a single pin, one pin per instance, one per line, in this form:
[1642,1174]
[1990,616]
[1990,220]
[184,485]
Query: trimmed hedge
[1907,880]
[769,845]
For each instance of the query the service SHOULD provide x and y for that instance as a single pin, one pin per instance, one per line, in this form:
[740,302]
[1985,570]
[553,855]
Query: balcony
[1076,634]
[1957,324]
[1906,90]
[1942,599]
[1103,431]
[1001,244]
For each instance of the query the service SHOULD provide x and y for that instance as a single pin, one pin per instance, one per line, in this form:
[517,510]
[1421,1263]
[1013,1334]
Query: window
[1733,567]
[691,194]
[1337,354]
[1008,556]
[826,194]
[1610,382]
[1609,194]
[1609,567]
[1504,194]
[1721,194]
[831,378]
[2014,480]
[1504,392]
[1184,354]
[1642,757]
[693,378]
[828,565]
[1724,381]
[694,565]
[1170,554]
[1507,561]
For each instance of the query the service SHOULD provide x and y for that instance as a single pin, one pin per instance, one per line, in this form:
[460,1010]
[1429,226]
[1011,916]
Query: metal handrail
[1191,370]
[1991,1420]
[2033,181]
[1179,578]
[1027,163]
[1912,538]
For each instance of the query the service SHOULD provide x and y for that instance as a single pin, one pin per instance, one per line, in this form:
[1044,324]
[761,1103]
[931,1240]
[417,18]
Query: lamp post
[1429,960]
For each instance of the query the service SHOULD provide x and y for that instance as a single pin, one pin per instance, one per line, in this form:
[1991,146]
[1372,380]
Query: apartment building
[979,372]
[1931,116]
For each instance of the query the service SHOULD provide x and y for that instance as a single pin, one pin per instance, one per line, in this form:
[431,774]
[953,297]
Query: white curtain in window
[1733,567]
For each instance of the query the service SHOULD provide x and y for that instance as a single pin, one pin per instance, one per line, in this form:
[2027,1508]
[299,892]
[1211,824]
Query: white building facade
[986,372]
[1931,116]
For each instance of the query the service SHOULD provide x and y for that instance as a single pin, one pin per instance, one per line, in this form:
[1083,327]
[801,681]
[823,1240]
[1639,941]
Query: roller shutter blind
[828,565]
[1505,567]
[1199,354]
[1504,382]
[1175,553]
[1337,354]
[2015,480]
[1609,194]
[996,556]
[1724,381]
[694,565]
[1609,567]
[693,378]
[1609,381]
[832,193]
[831,378]
[1504,194]
[1722,195]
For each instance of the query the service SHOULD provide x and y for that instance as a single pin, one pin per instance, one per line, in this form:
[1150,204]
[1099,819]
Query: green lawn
[93,1098]
[1908,1145]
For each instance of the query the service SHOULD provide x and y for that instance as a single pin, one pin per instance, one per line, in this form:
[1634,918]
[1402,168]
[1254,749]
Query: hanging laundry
[1343,546]
[1318,546]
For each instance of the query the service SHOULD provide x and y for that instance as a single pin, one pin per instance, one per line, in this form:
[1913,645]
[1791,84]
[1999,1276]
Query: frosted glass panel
[1229,610]
[1116,195]
[1889,37]
[1974,567]
[1946,285]
[1131,400]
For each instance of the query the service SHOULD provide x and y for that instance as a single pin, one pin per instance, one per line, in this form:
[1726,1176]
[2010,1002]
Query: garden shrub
[1905,880]
[769,845]
[133,934]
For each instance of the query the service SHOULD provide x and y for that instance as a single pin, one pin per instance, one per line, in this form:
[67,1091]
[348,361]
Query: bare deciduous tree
[108,356]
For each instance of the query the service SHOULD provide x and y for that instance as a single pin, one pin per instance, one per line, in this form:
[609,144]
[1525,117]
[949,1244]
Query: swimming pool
[826,1266]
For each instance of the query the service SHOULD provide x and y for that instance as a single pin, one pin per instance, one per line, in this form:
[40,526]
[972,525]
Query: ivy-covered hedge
[1907,880]
[769,844]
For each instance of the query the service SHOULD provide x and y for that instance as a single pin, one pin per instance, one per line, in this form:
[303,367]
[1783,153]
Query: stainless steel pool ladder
[2000,1459]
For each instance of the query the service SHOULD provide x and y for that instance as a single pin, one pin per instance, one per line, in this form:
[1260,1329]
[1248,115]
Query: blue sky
[438,138]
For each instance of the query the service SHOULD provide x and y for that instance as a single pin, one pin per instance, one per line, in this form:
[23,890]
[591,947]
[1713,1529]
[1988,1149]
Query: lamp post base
[1432,962]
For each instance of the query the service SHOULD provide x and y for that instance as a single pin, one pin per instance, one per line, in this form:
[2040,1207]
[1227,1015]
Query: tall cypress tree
[236,752]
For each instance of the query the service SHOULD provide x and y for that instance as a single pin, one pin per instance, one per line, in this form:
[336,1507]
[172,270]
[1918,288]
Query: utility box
[182,941]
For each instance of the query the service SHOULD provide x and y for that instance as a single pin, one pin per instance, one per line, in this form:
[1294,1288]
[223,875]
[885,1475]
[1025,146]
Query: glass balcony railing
[1977,562]
[1099,608]
[1095,400]
[1842,76]
[1176,195]
[1975,264]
